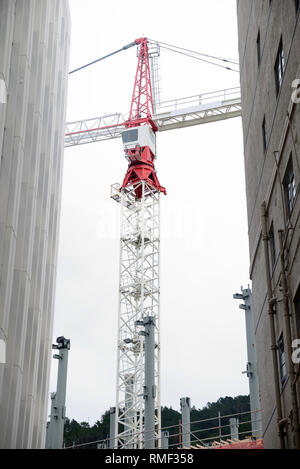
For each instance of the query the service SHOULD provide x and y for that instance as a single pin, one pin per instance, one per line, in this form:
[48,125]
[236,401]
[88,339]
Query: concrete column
[251,371]
[164,440]
[149,389]
[49,427]
[7,21]
[112,428]
[58,399]
[234,428]
[34,47]
[50,196]
[15,280]
[129,420]
[185,406]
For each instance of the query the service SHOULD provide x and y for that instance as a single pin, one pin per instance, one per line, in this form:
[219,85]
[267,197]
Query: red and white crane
[139,196]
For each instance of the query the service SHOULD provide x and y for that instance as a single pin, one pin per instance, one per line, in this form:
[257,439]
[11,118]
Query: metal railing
[220,433]
[230,94]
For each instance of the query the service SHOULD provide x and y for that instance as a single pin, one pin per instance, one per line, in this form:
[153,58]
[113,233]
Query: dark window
[297,5]
[297,309]
[279,67]
[289,187]
[264,133]
[130,136]
[272,246]
[282,363]
[258,46]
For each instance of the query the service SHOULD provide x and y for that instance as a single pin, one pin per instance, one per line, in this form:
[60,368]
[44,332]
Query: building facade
[269,38]
[34,53]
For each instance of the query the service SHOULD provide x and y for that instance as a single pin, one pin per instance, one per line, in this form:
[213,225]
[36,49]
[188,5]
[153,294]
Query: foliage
[80,433]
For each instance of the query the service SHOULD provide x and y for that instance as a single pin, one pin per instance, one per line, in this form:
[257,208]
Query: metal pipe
[288,340]
[271,313]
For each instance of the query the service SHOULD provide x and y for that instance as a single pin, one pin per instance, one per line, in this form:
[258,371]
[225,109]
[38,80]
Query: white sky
[204,243]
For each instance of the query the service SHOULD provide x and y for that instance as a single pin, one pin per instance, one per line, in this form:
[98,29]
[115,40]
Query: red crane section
[140,145]
[141,109]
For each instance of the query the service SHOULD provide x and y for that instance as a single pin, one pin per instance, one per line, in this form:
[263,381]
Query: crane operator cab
[136,139]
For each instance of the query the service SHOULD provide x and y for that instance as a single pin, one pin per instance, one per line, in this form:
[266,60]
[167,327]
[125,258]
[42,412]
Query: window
[297,5]
[272,247]
[130,136]
[297,309]
[279,67]
[258,46]
[282,363]
[264,134]
[289,187]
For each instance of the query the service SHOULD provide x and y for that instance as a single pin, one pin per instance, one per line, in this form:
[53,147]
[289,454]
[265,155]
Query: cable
[202,60]
[164,46]
[102,58]
[195,52]
[199,53]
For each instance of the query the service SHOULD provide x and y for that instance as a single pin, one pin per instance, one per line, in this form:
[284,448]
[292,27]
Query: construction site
[142,182]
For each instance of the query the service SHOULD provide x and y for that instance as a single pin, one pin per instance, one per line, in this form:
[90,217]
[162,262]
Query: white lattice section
[139,298]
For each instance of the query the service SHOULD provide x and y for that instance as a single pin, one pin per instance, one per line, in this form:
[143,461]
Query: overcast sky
[204,244]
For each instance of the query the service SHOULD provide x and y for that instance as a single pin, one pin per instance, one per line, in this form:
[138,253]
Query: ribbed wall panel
[34,50]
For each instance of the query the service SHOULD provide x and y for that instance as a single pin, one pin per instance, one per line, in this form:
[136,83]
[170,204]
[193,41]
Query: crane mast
[139,285]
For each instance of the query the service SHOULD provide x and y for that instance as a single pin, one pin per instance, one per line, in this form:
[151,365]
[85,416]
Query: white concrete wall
[34,51]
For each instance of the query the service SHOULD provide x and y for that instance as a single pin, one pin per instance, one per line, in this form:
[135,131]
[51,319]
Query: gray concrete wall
[34,50]
[258,99]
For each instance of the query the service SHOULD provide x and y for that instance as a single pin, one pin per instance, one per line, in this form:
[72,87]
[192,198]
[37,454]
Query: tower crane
[139,196]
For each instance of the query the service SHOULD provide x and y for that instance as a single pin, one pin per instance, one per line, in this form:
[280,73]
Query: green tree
[202,423]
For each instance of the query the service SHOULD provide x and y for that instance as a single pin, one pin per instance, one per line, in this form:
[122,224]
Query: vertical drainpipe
[288,341]
[271,313]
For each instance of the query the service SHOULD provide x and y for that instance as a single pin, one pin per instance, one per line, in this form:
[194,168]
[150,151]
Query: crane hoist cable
[104,57]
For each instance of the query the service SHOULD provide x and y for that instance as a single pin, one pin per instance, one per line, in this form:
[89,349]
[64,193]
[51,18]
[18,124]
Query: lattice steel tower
[139,288]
